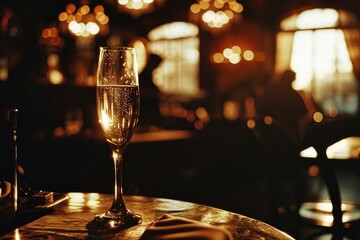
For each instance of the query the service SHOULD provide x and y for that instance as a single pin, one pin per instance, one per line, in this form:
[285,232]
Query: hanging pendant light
[139,7]
[82,22]
[215,15]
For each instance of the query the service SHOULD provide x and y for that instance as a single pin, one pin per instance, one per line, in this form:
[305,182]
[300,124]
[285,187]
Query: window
[316,44]
[177,44]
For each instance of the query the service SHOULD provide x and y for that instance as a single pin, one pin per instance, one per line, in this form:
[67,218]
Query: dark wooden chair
[321,136]
[279,164]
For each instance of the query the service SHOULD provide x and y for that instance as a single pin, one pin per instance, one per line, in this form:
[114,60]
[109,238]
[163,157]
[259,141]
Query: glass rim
[116,48]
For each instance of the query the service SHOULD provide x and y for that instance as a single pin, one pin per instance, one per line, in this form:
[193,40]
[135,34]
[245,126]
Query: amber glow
[268,120]
[318,117]
[50,37]
[235,54]
[215,15]
[105,121]
[198,125]
[104,117]
[202,114]
[259,56]
[231,110]
[73,122]
[250,123]
[54,74]
[313,171]
[248,55]
[138,7]
[82,22]
[17,235]
[190,116]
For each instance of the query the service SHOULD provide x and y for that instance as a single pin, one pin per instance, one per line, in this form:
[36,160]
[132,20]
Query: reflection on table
[320,212]
[69,218]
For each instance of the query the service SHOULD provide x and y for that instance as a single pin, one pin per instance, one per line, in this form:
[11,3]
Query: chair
[279,162]
[321,136]
[249,162]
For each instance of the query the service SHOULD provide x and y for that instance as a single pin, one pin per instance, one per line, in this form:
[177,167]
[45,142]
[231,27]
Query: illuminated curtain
[352,38]
[284,46]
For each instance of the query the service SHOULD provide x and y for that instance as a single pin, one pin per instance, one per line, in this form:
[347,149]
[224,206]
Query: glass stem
[118,205]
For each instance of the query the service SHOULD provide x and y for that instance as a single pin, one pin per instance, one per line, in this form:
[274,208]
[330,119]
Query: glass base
[111,222]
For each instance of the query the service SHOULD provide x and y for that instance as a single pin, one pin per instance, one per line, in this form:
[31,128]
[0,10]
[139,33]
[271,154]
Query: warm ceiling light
[174,30]
[81,22]
[215,15]
[235,54]
[138,7]
[50,37]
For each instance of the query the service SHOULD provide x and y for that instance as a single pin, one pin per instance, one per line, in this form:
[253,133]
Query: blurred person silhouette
[284,104]
[149,93]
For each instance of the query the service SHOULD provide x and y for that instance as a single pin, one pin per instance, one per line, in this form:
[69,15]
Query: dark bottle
[8,164]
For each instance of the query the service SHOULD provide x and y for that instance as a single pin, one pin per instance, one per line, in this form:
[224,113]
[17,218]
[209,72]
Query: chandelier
[215,15]
[81,22]
[138,7]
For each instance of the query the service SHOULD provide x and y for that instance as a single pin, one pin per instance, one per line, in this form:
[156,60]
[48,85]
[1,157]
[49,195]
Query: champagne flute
[118,105]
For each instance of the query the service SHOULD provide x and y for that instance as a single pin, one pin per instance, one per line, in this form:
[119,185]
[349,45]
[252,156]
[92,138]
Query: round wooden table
[68,219]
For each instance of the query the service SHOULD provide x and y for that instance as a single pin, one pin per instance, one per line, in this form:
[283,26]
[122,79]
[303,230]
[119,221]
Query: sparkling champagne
[118,103]
[118,111]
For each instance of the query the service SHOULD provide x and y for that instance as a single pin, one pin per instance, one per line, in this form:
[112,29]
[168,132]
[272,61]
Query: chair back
[324,134]
[320,137]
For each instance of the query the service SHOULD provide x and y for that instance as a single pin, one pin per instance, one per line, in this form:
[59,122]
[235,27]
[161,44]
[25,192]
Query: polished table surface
[68,219]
